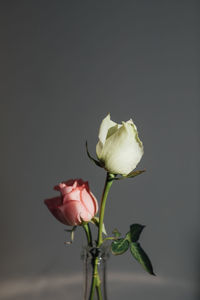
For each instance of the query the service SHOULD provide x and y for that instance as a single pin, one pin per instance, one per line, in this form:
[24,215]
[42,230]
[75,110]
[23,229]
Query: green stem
[110,238]
[99,294]
[108,183]
[88,233]
[95,283]
[95,277]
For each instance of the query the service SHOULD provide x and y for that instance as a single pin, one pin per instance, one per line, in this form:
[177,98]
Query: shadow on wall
[122,284]
[198,267]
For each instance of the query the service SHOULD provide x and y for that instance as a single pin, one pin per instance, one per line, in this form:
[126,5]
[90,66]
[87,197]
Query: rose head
[119,147]
[75,204]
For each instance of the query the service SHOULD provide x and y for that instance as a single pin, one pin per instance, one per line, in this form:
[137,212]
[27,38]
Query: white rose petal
[119,146]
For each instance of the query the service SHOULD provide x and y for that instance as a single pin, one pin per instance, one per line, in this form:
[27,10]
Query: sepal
[95,221]
[97,162]
[135,173]
[130,175]
[71,231]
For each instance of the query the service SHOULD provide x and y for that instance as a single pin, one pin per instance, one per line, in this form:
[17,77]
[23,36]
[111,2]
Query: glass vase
[95,268]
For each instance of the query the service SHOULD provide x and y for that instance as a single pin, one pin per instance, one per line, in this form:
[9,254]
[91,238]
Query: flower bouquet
[118,150]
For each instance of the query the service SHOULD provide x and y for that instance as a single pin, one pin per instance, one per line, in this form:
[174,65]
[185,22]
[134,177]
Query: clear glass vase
[95,267]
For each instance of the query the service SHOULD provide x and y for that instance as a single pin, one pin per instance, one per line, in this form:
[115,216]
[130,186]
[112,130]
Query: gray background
[64,66]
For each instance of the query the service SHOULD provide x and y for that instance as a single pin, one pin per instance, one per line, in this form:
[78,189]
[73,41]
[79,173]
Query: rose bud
[119,147]
[75,204]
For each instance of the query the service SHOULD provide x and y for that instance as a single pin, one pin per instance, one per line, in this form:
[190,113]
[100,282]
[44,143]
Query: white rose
[119,146]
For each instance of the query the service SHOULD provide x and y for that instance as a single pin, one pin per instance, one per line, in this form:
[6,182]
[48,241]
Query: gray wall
[64,66]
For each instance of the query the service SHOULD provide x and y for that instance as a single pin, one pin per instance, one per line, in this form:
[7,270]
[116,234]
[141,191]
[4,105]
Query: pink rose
[75,204]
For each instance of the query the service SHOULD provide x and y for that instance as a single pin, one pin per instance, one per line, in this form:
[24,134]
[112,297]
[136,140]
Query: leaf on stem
[139,254]
[116,233]
[135,231]
[119,246]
